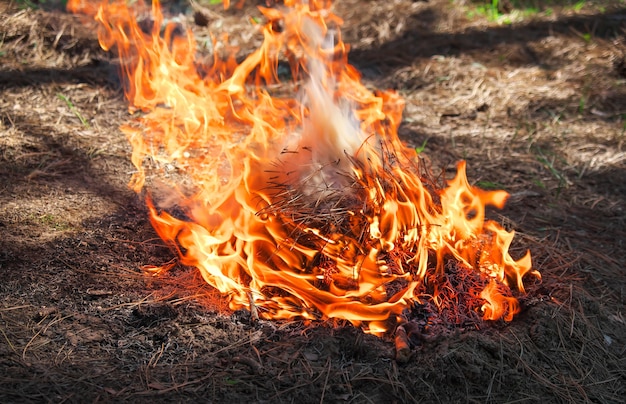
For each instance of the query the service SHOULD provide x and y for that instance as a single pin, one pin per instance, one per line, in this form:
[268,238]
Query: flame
[305,205]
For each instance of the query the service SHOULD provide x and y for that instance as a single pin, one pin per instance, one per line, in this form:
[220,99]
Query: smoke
[318,159]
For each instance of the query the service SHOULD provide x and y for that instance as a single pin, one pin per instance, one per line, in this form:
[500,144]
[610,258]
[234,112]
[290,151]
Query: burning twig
[403,349]
[254,312]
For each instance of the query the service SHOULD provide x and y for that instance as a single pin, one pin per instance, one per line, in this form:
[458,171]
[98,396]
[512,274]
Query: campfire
[289,189]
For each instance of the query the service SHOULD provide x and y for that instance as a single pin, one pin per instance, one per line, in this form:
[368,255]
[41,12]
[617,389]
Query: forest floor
[535,104]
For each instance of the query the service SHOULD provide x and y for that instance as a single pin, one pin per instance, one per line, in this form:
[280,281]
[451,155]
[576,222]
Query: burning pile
[305,205]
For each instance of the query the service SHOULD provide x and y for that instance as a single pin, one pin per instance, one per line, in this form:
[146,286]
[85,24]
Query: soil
[536,106]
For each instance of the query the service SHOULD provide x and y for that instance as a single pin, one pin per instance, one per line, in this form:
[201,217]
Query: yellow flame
[310,204]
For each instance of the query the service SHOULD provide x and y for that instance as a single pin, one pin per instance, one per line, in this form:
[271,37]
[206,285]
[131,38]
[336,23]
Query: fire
[305,205]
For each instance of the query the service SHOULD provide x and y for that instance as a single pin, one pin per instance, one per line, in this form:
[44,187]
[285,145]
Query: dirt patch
[535,107]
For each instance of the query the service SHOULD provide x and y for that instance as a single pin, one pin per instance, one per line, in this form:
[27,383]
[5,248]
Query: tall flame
[305,205]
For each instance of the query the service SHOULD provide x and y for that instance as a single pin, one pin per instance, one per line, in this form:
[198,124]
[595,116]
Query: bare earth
[536,107]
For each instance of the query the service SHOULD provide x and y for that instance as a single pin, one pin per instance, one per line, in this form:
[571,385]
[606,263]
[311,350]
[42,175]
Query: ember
[305,205]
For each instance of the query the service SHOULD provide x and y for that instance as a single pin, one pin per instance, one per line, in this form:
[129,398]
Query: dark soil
[536,107]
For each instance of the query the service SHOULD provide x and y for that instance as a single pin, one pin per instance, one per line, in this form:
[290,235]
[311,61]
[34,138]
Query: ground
[535,104]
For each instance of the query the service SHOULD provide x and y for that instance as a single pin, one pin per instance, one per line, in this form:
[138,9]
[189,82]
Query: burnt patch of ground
[84,318]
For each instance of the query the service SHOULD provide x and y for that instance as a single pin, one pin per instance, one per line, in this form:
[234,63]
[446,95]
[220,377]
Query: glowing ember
[307,205]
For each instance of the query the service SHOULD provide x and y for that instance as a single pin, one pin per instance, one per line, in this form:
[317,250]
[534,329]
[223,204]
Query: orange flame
[306,205]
